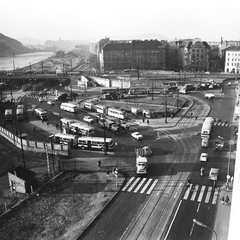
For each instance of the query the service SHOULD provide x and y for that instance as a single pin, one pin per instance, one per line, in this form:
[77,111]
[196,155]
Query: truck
[141,161]
[218,143]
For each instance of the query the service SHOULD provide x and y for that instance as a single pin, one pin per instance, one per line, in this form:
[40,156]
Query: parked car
[137,135]
[88,119]
[229,84]
[50,102]
[213,174]
[203,157]
[40,99]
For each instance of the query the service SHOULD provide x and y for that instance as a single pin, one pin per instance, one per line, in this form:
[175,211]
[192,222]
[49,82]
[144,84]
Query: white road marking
[128,183]
[215,197]
[140,184]
[133,185]
[208,194]
[146,185]
[187,192]
[152,186]
[194,193]
[201,193]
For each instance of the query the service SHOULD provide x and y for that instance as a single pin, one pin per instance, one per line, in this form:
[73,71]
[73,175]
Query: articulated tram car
[84,142]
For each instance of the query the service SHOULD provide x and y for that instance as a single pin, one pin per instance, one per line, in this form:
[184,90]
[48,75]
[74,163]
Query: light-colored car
[205,142]
[209,96]
[137,135]
[50,102]
[213,174]
[203,157]
[40,99]
[88,119]
[229,84]
[147,150]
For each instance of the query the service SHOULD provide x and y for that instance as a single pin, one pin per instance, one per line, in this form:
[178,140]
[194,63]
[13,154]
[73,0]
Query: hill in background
[10,46]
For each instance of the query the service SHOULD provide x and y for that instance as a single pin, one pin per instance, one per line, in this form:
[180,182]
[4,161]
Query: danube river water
[23,60]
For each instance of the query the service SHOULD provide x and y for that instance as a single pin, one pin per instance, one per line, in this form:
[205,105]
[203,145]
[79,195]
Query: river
[23,60]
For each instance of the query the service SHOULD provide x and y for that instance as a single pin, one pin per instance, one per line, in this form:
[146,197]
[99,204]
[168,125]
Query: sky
[95,19]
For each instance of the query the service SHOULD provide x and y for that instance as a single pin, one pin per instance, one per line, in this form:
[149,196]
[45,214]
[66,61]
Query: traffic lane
[183,227]
[115,218]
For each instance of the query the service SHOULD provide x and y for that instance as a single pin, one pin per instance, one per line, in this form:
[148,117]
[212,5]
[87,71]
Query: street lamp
[205,226]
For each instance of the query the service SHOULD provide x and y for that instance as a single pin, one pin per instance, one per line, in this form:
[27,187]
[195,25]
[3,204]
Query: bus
[8,115]
[40,113]
[66,123]
[118,113]
[108,90]
[70,107]
[206,127]
[101,109]
[62,138]
[20,112]
[96,143]
[138,91]
[87,142]
[79,128]
[89,106]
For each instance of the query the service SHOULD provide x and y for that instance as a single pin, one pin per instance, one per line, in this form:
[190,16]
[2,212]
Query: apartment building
[232,59]
[133,54]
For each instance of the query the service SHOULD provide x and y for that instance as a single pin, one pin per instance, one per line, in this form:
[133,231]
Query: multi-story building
[232,59]
[133,54]
[194,54]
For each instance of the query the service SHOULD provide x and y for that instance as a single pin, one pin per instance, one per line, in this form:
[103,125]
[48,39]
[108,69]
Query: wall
[34,146]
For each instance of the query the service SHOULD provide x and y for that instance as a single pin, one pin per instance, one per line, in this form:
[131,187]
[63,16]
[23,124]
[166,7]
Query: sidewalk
[223,213]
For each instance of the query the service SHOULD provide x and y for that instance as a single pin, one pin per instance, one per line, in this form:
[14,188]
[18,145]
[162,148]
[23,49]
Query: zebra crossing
[206,194]
[198,193]
[223,124]
[145,186]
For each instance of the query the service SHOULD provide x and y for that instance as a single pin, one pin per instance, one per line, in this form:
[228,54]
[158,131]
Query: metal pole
[152,90]
[104,135]
[165,107]
[24,164]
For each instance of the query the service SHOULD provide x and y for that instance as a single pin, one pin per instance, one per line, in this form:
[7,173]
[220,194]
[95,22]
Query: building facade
[232,59]
[133,54]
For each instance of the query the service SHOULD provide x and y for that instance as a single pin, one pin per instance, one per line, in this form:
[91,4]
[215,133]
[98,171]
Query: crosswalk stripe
[140,184]
[194,193]
[152,186]
[208,194]
[145,187]
[201,193]
[128,183]
[133,185]
[215,197]
[187,192]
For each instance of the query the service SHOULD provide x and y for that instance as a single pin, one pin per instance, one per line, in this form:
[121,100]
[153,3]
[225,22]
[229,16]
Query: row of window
[233,64]
[234,54]
[234,60]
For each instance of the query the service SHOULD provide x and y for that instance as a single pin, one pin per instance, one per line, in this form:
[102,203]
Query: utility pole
[152,89]
[165,107]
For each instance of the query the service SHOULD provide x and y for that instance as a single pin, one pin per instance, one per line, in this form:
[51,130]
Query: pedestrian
[223,200]
[56,125]
[189,183]
[227,200]
[231,179]
[99,164]
[196,117]
[108,173]
[48,123]
[143,120]
[42,120]
[34,129]
[148,122]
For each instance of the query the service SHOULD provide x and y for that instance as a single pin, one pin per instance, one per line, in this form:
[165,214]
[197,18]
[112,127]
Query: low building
[21,180]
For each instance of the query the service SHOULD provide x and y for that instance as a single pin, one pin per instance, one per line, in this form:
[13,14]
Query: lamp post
[165,107]
[205,226]
[104,136]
